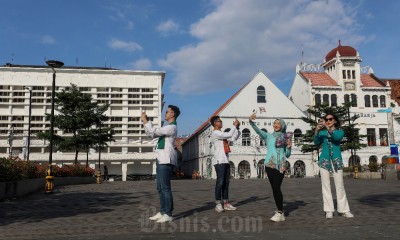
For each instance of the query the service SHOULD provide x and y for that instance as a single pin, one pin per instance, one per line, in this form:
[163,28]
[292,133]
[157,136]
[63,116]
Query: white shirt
[217,137]
[168,155]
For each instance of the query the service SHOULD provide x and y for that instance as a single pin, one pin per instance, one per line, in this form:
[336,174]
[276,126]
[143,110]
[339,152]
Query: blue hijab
[280,135]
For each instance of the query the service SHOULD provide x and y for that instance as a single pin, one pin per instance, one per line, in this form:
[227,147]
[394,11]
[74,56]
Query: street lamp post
[29,123]
[10,141]
[49,174]
[98,177]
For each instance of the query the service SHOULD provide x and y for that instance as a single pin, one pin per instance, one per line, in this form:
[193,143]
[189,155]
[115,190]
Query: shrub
[16,169]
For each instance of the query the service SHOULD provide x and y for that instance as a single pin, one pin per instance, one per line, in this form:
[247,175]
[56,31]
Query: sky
[207,48]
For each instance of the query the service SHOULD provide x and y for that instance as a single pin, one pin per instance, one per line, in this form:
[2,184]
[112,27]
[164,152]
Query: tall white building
[340,79]
[127,92]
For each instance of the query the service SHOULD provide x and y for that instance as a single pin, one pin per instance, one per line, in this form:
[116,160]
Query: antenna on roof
[105,62]
[77,61]
[302,54]
[12,58]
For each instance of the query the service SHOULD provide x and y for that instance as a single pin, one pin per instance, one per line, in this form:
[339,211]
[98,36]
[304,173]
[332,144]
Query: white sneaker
[156,217]
[228,206]
[219,208]
[165,218]
[329,215]
[278,217]
[347,214]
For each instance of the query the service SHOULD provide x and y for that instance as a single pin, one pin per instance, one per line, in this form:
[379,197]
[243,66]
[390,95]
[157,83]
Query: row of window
[82,89]
[371,136]
[331,100]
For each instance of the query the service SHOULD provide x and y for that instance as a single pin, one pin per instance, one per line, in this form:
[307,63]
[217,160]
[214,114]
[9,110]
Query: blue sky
[208,48]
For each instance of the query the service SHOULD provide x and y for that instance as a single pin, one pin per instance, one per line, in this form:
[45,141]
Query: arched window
[325,99]
[367,100]
[317,99]
[353,100]
[346,98]
[333,100]
[228,130]
[382,101]
[262,142]
[297,135]
[246,137]
[375,101]
[261,94]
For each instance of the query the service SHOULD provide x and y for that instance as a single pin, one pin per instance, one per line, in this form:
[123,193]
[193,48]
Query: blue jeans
[164,173]
[223,171]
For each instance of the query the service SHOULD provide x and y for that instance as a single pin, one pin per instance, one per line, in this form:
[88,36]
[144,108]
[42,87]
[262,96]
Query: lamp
[49,173]
[29,123]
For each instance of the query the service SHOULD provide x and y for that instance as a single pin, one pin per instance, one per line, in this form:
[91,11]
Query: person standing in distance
[166,160]
[221,163]
[328,136]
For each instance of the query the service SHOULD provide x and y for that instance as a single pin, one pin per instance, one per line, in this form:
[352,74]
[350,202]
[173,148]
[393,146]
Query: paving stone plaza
[120,210]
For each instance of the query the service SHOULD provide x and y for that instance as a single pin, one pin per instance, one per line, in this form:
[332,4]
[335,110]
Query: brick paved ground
[119,210]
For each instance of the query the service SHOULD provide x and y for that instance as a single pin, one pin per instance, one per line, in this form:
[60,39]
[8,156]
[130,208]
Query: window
[133,89]
[246,137]
[375,101]
[383,136]
[325,99]
[229,142]
[371,138]
[333,100]
[297,135]
[382,101]
[317,99]
[348,74]
[353,100]
[261,95]
[353,73]
[262,142]
[344,74]
[367,100]
[346,98]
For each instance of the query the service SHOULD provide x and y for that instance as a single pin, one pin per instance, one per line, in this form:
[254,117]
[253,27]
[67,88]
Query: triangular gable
[245,101]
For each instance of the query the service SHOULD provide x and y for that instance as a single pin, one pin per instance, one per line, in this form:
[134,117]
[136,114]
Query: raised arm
[154,132]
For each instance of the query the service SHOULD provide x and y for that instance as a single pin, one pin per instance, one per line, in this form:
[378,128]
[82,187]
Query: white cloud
[168,27]
[142,64]
[240,37]
[47,39]
[125,46]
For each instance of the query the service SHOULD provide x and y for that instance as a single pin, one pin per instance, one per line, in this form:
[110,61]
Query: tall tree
[352,139]
[78,114]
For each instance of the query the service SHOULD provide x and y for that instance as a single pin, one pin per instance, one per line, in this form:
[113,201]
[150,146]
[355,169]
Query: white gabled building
[248,151]
[340,79]
[128,92]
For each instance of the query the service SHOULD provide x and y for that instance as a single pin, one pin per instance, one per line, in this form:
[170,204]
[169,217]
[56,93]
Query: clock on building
[349,86]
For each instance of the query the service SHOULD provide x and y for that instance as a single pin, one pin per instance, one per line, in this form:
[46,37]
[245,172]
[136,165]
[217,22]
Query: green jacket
[331,155]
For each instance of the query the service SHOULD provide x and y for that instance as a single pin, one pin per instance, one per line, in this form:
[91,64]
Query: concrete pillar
[124,167]
[154,167]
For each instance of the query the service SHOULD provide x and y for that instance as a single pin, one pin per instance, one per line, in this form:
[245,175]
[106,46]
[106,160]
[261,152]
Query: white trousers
[342,204]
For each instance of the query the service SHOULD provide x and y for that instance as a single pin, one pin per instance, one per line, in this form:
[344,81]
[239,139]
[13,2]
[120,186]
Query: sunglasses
[329,119]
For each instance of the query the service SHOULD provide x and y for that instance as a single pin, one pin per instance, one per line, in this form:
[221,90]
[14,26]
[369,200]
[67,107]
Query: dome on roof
[344,51]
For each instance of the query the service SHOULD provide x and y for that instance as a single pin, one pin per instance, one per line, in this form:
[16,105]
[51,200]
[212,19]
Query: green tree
[351,141]
[78,115]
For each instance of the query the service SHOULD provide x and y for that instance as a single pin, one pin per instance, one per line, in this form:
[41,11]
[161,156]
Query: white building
[248,151]
[128,92]
[340,79]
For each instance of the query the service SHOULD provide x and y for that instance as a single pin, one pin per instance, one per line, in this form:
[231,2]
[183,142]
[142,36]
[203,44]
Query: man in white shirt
[221,161]
[166,160]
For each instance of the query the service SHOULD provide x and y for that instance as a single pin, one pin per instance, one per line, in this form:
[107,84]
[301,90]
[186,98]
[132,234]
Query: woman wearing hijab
[328,136]
[279,146]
